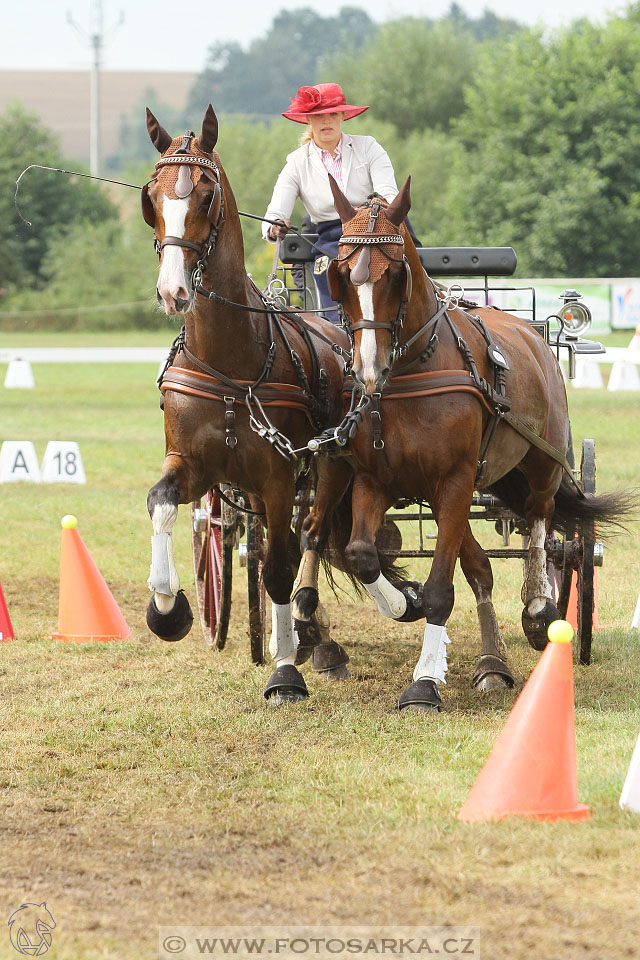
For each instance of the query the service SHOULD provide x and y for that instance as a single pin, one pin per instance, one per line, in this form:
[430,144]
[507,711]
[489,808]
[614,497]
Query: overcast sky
[175,34]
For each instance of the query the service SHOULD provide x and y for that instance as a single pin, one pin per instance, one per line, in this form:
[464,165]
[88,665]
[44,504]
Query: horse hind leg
[492,671]
[539,610]
[169,615]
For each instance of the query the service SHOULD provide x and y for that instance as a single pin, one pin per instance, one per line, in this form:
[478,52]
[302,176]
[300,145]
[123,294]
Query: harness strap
[196,384]
[541,444]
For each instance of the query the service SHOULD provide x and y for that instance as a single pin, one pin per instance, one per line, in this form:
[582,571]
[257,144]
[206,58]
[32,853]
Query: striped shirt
[332,165]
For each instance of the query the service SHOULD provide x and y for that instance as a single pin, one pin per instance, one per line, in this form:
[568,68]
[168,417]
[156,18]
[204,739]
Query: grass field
[146,784]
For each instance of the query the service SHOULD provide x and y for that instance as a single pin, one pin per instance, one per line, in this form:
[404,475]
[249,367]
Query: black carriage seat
[437,261]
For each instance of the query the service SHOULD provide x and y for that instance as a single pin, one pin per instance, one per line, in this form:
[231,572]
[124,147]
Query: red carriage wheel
[255,587]
[213,531]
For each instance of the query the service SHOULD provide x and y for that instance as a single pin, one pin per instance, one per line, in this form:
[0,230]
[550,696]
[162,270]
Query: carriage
[247,400]
[221,524]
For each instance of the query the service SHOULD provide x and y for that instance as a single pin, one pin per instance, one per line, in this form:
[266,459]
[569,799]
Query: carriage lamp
[574,314]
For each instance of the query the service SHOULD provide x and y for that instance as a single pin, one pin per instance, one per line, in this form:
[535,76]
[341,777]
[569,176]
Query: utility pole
[96,40]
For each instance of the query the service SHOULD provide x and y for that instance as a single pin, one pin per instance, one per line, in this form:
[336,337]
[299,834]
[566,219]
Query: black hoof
[330,659]
[492,673]
[413,592]
[170,626]
[305,603]
[535,628]
[421,695]
[308,637]
[285,685]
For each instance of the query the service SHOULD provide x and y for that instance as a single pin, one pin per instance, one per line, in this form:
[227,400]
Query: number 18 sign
[62,463]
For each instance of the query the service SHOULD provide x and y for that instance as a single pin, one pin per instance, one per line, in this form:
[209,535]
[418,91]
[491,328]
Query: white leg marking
[284,640]
[163,576]
[433,658]
[537,586]
[391,602]
[172,277]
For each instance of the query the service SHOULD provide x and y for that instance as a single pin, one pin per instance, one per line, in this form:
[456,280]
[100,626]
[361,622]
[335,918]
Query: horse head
[183,202]
[371,279]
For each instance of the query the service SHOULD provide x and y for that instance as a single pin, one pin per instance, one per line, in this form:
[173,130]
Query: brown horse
[458,401]
[247,385]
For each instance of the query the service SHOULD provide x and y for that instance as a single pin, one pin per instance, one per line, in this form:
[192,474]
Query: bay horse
[457,401]
[246,385]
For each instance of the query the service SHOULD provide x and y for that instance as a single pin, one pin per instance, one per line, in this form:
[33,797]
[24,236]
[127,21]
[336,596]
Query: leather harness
[423,384]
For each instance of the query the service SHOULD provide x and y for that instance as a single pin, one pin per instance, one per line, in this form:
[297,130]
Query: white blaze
[368,345]
[172,278]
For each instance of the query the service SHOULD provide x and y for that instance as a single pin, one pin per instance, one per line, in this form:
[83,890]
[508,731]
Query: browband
[361,238]
[181,158]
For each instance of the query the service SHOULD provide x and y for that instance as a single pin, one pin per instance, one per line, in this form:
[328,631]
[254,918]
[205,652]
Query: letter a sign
[18,461]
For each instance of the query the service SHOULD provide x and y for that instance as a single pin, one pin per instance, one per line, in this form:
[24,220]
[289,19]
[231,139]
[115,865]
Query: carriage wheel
[255,588]
[585,568]
[213,531]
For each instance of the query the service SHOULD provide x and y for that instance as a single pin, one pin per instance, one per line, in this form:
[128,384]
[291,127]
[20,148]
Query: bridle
[185,158]
[362,244]
[360,274]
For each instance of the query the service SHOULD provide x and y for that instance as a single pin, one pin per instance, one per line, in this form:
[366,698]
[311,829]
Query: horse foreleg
[169,615]
[492,671]
[286,683]
[369,505]
[334,477]
[451,510]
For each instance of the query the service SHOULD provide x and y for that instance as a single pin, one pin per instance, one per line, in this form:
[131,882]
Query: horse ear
[399,208]
[209,135]
[345,211]
[159,136]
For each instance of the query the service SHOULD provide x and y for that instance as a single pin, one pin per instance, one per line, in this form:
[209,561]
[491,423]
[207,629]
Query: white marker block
[62,463]
[630,797]
[19,375]
[588,375]
[624,376]
[635,623]
[18,461]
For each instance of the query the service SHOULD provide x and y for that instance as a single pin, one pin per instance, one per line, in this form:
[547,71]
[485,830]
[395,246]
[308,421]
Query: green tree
[260,80]
[134,144]
[412,72]
[548,152]
[48,200]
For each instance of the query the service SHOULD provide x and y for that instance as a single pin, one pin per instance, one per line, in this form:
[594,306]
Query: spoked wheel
[580,555]
[586,558]
[213,530]
[255,588]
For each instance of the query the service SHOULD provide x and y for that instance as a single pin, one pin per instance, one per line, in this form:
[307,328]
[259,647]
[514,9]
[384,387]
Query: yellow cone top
[69,522]
[560,631]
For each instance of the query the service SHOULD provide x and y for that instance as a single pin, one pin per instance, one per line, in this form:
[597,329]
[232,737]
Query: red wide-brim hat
[323,98]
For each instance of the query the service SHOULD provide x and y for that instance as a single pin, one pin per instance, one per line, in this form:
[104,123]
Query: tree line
[511,136]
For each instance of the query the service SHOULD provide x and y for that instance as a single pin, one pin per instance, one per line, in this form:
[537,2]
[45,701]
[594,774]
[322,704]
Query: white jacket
[366,168]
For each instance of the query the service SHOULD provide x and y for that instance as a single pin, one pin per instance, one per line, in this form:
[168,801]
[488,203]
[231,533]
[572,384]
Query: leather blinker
[333,281]
[215,205]
[148,211]
[408,285]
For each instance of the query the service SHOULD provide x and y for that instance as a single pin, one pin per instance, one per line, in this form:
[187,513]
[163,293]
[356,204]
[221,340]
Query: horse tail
[608,511]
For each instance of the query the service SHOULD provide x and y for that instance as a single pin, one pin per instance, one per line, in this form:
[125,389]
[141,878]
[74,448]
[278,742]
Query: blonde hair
[307,135]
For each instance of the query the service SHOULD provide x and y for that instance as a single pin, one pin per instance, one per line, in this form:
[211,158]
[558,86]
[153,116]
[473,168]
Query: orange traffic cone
[531,771]
[572,607]
[87,610]
[6,630]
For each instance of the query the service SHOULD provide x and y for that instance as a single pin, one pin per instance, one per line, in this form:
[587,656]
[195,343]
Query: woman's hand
[279,229]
